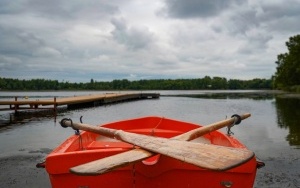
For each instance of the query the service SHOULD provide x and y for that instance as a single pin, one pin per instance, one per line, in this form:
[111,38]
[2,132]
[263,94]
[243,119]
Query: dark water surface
[272,132]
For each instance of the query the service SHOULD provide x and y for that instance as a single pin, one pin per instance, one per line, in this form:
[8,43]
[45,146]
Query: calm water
[272,132]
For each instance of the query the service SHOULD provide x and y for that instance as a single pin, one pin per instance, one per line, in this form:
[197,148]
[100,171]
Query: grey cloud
[279,9]
[61,9]
[255,44]
[89,39]
[30,40]
[11,7]
[197,8]
[283,16]
[21,44]
[17,42]
[270,16]
[242,21]
[286,25]
[9,63]
[47,52]
[133,38]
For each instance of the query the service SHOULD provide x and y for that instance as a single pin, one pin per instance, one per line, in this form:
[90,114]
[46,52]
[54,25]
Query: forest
[287,76]
[207,82]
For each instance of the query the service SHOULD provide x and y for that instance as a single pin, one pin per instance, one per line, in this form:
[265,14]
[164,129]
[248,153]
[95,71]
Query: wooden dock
[74,102]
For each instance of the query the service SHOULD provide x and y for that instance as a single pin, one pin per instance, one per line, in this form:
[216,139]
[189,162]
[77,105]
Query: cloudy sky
[80,40]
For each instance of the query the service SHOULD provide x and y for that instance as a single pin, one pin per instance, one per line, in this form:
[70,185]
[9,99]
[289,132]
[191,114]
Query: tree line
[287,75]
[207,82]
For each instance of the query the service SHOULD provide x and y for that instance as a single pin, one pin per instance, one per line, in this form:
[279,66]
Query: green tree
[288,65]
[235,84]
[161,84]
[219,83]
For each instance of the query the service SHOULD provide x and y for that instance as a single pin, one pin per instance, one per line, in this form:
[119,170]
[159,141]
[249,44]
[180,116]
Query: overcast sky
[80,40]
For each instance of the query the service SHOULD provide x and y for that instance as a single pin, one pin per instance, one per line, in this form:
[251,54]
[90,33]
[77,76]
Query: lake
[272,132]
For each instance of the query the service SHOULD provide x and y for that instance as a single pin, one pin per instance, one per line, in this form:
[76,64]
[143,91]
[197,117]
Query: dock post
[55,109]
[16,106]
[55,106]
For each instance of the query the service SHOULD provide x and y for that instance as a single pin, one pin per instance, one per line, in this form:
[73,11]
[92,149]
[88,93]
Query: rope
[133,176]
[77,132]
[152,132]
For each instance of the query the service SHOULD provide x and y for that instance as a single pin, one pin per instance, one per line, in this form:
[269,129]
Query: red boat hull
[161,172]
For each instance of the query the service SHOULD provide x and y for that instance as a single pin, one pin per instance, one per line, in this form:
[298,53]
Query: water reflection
[23,117]
[252,95]
[288,117]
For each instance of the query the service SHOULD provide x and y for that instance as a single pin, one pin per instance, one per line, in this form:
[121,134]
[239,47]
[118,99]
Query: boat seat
[156,132]
[108,145]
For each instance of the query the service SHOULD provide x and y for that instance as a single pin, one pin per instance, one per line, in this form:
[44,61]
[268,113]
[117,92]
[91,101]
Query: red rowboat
[157,171]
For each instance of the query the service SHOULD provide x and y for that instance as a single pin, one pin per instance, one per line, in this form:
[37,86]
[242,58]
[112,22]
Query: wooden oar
[108,164]
[172,148]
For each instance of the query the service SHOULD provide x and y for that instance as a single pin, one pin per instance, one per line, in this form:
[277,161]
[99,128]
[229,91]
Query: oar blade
[108,164]
[213,157]
[207,156]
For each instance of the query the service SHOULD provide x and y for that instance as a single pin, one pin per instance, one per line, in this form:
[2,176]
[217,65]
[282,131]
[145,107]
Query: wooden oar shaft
[190,135]
[112,133]
[195,133]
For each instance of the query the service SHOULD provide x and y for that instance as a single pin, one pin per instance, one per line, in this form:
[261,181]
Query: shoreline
[20,171]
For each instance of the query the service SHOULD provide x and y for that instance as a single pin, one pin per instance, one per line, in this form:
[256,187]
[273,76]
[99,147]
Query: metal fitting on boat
[237,119]
[41,164]
[226,183]
[63,122]
[260,164]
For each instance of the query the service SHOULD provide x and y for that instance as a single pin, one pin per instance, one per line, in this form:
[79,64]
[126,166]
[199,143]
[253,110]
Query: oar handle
[235,119]
[112,133]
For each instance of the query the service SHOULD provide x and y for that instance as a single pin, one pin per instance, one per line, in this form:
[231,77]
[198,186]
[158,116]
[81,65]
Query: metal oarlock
[237,120]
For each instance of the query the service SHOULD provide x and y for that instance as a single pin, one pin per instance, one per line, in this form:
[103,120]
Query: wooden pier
[75,102]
